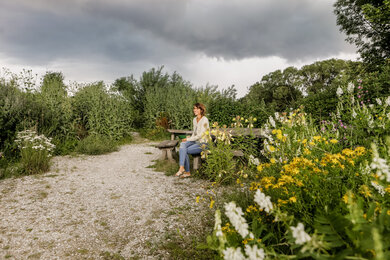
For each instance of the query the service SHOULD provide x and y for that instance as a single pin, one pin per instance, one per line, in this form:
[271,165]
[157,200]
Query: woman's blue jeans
[186,148]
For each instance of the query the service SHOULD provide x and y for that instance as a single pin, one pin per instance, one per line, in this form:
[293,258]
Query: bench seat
[167,148]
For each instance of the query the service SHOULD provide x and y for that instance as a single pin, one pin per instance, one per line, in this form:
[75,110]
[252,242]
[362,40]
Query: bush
[35,151]
[96,144]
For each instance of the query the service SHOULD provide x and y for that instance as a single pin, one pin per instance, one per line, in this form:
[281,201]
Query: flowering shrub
[219,166]
[361,120]
[35,151]
[316,196]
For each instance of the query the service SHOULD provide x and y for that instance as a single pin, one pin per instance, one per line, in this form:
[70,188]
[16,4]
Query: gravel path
[95,207]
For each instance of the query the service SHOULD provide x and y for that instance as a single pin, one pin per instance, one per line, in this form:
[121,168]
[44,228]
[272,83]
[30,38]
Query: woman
[192,144]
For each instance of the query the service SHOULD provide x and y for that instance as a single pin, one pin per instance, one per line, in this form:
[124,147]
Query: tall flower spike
[263,201]
[235,216]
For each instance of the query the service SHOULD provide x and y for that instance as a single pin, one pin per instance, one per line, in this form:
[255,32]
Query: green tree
[367,25]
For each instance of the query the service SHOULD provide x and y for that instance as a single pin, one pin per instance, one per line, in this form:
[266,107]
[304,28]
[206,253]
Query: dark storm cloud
[41,31]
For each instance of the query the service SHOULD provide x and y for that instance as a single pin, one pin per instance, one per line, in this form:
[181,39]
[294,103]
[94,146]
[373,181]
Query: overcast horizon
[218,42]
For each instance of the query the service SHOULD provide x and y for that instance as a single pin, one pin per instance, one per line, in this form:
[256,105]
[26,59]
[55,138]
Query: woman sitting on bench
[192,144]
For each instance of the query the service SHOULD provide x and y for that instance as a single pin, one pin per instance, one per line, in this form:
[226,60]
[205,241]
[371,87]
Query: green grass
[96,144]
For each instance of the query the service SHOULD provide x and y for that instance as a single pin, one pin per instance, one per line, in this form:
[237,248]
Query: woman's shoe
[185,175]
[179,173]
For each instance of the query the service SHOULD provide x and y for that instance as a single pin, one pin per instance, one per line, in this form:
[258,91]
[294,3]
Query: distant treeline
[160,100]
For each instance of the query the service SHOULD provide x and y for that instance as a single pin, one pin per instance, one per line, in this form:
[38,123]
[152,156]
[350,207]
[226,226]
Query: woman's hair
[201,107]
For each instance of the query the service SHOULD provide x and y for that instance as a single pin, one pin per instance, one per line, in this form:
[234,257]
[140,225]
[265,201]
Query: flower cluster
[29,139]
[263,201]
[300,235]
[235,216]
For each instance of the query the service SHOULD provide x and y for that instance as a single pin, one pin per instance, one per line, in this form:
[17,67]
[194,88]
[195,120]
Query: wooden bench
[197,162]
[167,148]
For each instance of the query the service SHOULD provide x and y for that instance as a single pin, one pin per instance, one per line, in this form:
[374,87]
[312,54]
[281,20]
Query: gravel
[94,207]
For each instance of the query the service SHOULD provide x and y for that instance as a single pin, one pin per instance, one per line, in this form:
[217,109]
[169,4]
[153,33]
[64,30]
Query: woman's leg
[184,161]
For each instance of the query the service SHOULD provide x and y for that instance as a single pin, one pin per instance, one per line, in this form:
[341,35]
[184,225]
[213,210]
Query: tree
[367,25]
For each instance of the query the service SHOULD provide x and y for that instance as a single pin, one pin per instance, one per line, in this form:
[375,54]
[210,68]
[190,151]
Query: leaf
[332,228]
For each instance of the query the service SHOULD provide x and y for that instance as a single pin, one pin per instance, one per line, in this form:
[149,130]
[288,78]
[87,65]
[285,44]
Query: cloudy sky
[216,42]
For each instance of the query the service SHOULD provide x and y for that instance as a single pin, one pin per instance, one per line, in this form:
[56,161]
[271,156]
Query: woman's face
[196,111]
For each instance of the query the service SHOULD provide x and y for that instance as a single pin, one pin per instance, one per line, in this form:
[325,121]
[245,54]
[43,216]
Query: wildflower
[299,234]
[218,222]
[197,199]
[254,253]
[333,141]
[273,160]
[253,160]
[271,121]
[212,204]
[293,199]
[354,113]
[378,101]
[380,165]
[339,92]
[387,101]
[379,188]
[231,253]
[350,87]
[235,216]
[263,201]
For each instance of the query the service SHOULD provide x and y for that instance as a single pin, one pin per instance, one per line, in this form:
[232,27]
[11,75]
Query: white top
[199,129]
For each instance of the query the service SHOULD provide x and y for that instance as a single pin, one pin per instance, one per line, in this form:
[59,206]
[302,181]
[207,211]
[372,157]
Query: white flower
[277,116]
[387,101]
[263,201]
[271,121]
[354,113]
[350,87]
[339,92]
[378,101]
[235,216]
[218,222]
[299,234]
[254,253]
[231,253]
[380,165]
[253,160]
[371,106]
[379,188]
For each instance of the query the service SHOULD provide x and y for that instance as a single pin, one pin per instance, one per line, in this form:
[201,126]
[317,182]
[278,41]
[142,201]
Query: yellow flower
[334,141]
[197,199]
[365,191]
[304,141]
[388,212]
[212,204]
[317,138]
[312,143]
[271,148]
[293,199]
[273,160]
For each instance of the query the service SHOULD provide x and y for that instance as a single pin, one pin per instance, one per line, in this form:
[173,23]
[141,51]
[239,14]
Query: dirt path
[95,207]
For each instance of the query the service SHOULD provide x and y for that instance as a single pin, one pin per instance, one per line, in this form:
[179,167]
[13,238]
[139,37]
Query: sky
[207,42]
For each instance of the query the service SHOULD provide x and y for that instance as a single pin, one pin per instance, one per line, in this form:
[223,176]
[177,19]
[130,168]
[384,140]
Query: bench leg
[197,162]
[163,154]
[169,154]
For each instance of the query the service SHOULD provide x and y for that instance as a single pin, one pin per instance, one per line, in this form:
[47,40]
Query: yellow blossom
[365,191]
[334,141]
[293,199]
[317,138]
[197,199]
[273,160]
[212,204]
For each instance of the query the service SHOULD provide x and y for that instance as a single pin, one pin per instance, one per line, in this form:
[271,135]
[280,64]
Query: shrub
[35,151]
[96,144]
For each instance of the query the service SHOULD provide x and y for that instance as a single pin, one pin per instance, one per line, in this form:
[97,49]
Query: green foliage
[366,24]
[100,112]
[96,144]
[219,165]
